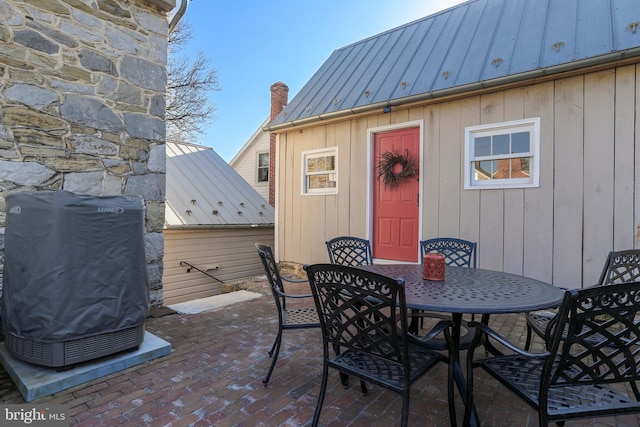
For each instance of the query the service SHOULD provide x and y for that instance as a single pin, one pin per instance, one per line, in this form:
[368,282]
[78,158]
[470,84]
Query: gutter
[456,90]
[178,16]
[216,226]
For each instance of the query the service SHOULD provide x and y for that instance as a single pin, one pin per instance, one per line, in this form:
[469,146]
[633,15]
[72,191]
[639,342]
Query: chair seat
[384,372]
[300,317]
[522,375]
[539,320]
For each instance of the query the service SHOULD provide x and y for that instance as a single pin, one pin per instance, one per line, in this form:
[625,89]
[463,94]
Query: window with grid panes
[263,167]
[503,155]
[320,173]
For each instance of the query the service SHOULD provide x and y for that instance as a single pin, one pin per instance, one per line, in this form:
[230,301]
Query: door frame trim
[371,132]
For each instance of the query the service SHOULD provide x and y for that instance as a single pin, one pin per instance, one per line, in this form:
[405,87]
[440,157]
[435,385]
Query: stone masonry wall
[82,103]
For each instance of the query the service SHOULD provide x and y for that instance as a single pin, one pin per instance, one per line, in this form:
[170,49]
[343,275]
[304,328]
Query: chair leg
[634,387]
[275,342]
[528,342]
[414,326]
[406,398]
[488,347]
[363,388]
[470,412]
[468,400]
[275,350]
[323,389]
[344,379]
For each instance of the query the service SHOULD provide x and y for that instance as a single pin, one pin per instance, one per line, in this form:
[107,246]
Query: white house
[251,162]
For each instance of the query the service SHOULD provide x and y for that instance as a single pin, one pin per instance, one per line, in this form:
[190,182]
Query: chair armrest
[429,314]
[482,328]
[283,294]
[435,331]
[300,280]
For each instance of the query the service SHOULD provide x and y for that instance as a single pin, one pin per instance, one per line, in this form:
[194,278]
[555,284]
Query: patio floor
[213,377]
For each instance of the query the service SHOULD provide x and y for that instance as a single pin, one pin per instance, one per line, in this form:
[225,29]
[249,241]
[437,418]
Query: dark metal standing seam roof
[479,43]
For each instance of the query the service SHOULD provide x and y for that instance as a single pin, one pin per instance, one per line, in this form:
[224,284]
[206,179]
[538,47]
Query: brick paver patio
[213,377]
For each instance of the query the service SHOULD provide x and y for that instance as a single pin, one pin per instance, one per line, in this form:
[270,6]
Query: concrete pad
[35,382]
[214,302]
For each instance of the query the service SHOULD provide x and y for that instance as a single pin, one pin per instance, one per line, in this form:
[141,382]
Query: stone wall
[82,103]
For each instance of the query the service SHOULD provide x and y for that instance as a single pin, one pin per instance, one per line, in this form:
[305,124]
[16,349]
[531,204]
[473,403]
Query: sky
[254,44]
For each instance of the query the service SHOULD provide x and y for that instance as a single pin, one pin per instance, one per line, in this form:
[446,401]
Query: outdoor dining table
[469,291]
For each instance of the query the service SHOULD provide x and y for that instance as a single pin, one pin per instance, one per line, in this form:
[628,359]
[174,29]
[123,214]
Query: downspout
[178,16]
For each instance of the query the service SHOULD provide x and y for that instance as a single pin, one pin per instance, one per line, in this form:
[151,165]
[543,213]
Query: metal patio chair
[457,253]
[620,267]
[350,251]
[364,322]
[578,376]
[288,318]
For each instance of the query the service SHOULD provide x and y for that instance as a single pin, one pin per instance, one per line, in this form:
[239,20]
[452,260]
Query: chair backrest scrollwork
[350,251]
[597,337]
[457,252]
[360,311]
[273,274]
[621,267]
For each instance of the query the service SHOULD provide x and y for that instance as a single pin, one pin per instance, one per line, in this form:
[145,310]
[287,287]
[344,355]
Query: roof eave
[216,226]
[610,58]
[165,5]
[248,144]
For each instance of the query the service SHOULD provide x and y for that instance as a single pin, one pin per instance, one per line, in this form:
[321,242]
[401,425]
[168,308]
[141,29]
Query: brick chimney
[279,98]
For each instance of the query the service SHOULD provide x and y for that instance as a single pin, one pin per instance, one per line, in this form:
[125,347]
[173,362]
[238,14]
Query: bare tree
[188,85]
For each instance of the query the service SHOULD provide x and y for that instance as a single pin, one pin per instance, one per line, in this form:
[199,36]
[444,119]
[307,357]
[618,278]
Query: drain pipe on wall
[178,16]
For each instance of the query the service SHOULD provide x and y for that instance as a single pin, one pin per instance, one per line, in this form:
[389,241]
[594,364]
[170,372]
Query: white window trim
[532,124]
[318,153]
[257,170]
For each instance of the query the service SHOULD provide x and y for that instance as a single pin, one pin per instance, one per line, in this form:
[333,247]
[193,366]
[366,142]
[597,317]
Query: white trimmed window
[262,172]
[503,155]
[320,171]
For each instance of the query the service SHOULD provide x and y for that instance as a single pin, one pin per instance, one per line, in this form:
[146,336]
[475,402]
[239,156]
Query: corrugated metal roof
[476,44]
[204,191]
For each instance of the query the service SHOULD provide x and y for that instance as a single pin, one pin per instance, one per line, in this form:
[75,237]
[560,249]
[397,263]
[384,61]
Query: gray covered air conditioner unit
[75,284]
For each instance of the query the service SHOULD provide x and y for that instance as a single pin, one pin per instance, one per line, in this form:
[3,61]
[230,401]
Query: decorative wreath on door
[395,167]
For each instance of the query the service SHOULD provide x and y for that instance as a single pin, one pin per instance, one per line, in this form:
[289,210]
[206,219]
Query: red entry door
[395,209]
